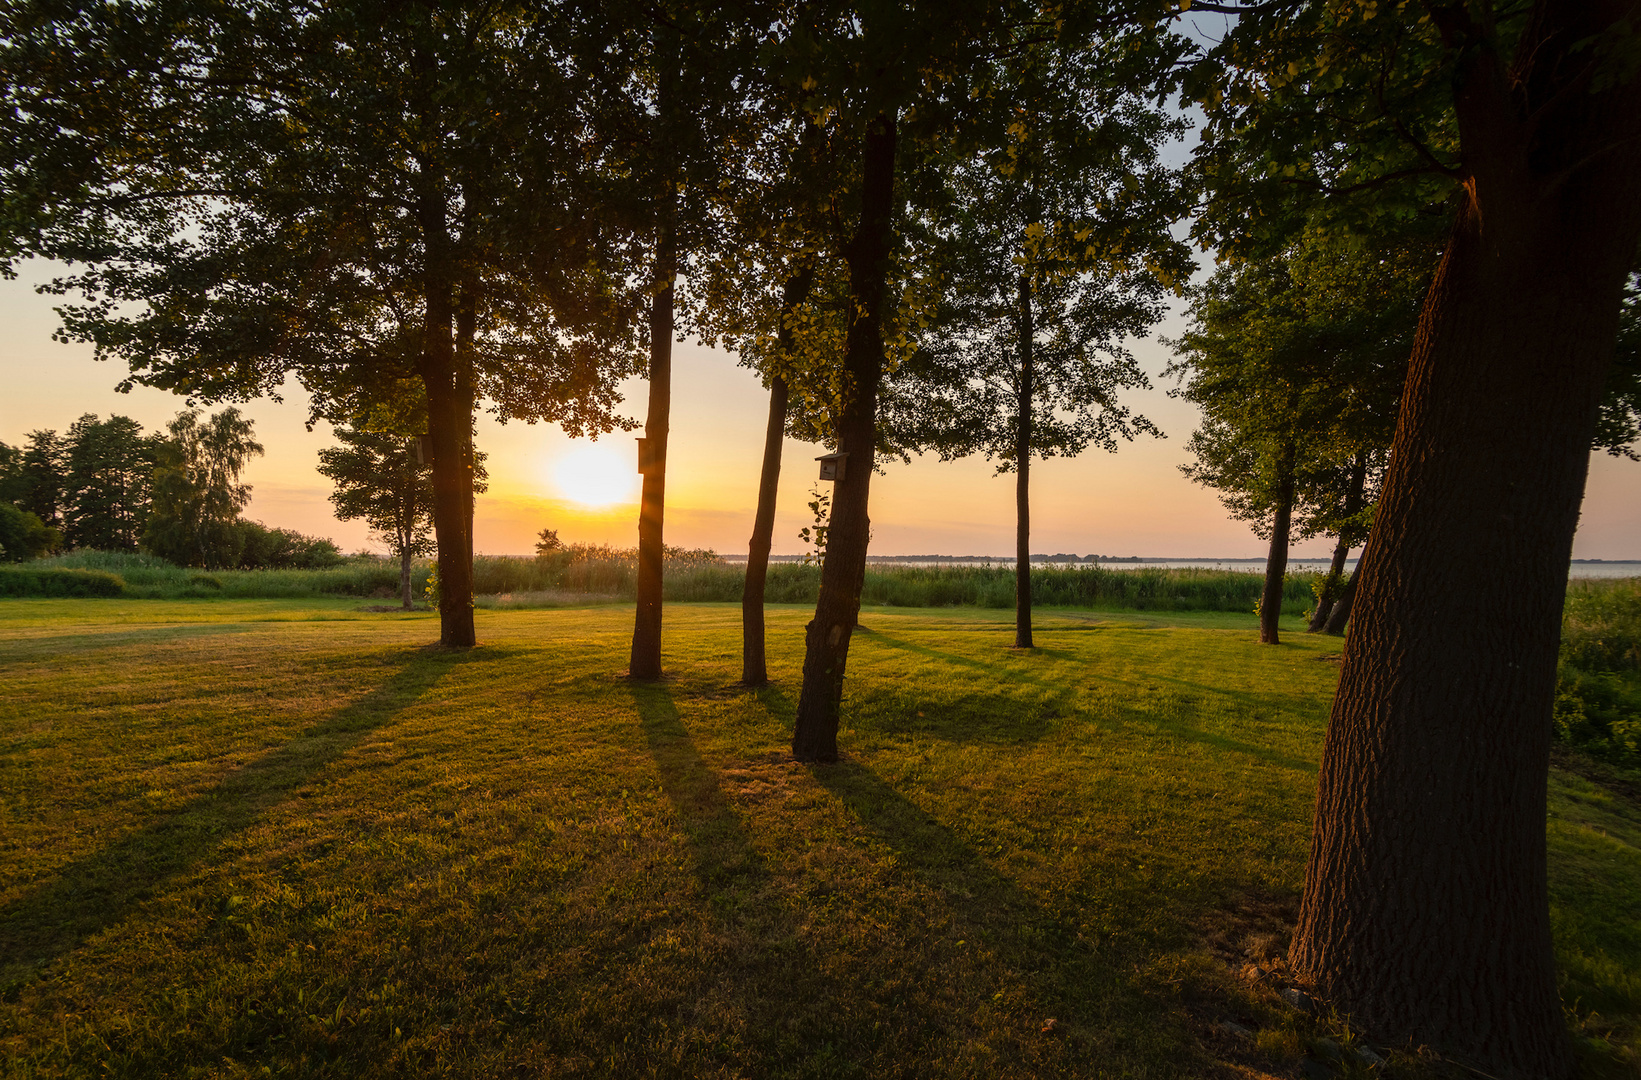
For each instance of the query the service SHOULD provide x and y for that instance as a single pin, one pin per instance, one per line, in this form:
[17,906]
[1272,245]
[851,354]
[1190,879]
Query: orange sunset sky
[1134,502]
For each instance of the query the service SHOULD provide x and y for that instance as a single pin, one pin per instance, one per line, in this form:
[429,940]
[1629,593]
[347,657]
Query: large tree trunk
[1341,550]
[844,569]
[1276,561]
[645,661]
[1425,913]
[449,426]
[754,670]
[1022,479]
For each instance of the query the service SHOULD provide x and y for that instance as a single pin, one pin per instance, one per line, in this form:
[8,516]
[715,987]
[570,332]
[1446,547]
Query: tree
[1297,362]
[1425,911]
[1055,250]
[197,496]
[107,484]
[357,193]
[32,478]
[380,478]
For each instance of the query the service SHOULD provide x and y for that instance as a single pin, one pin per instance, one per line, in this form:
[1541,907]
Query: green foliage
[108,481]
[23,536]
[262,548]
[1598,677]
[1297,362]
[57,581]
[379,477]
[34,477]
[814,535]
[195,519]
[1619,424]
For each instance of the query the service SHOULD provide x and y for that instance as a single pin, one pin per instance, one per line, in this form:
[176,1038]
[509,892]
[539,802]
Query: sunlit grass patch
[241,835]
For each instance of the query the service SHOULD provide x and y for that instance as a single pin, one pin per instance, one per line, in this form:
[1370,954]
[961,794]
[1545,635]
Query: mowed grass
[246,838]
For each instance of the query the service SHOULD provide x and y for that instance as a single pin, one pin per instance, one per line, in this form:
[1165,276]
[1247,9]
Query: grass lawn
[283,837]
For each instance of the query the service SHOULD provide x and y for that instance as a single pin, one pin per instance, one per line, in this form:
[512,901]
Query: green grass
[284,837]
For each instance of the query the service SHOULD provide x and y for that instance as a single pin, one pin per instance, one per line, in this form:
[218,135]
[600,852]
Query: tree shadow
[100,889]
[726,862]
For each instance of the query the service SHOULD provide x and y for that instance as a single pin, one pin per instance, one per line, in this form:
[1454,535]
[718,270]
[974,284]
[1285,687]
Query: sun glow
[595,475]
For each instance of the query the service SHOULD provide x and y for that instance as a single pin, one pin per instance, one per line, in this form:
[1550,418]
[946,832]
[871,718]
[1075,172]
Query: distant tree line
[107,485]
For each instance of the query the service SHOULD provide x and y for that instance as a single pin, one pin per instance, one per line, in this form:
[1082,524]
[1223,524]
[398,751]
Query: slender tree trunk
[1341,550]
[404,577]
[1339,613]
[449,422]
[754,670]
[844,569]
[645,661]
[1022,479]
[466,327]
[1276,562]
[1425,912]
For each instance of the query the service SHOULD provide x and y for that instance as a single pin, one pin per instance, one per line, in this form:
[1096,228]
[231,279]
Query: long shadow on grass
[726,863]
[100,890]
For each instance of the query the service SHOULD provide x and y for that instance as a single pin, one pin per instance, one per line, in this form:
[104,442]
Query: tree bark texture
[815,737]
[645,661]
[754,669]
[1425,912]
[1276,561]
[404,578]
[449,428]
[1022,479]
[1341,550]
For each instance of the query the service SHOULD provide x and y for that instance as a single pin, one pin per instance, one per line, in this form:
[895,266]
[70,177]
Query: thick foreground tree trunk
[1425,913]
[645,661]
[1276,562]
[844,570]
[754,670]
[449,427]
[1022,480]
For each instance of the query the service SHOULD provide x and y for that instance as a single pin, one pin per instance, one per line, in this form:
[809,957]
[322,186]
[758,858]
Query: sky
[1132,502]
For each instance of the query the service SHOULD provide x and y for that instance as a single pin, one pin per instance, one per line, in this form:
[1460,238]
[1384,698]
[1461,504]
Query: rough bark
[1425,912]
[1341,550]
[1276,561]
[843,571]
[1022,479]
[754,669]
[404,577]
[449,426]
[645,661]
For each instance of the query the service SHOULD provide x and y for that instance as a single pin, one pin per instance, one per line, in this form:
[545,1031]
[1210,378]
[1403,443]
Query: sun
[595,475]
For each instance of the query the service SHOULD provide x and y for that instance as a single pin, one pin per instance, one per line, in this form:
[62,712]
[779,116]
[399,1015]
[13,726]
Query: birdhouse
[831,466]
[424,449]
[646,456]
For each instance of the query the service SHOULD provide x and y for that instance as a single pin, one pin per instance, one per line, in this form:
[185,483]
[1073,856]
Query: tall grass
[151,578]
[612,573]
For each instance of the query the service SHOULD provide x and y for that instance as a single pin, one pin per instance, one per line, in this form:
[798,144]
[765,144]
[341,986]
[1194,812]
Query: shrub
[56,581]
[23,536]
[1598,676]
[284,549]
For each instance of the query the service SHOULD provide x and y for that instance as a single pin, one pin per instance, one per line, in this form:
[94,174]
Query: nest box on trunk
[831,466]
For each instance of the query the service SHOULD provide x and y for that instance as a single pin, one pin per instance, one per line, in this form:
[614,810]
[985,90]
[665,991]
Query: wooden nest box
[831,466]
